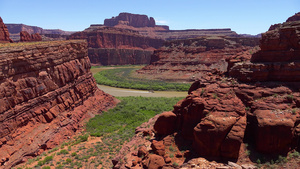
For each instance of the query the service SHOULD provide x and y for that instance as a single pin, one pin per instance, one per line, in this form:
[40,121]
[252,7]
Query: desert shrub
[63,152]
[121,78]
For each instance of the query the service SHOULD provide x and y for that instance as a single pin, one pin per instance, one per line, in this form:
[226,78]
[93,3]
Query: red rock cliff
[278,59]
[193,57]
[116,42]
[134,20]
[46,90]
[26,37]
[4,35]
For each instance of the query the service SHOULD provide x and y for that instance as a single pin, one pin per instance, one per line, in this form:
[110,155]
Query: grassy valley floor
[103,137]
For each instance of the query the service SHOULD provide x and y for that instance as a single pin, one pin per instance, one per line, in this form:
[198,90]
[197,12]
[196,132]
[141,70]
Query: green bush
[121,78]
[63,152]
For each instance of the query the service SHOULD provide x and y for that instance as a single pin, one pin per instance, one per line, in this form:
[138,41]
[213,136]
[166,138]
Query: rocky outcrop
[147,27]
[295,17]
[192,58]
[26,37]
[109,45]
[108,56]
[46,91]
[134,20]
[106,37]
[4,35]
[15,29]
[222,115]
[278,59]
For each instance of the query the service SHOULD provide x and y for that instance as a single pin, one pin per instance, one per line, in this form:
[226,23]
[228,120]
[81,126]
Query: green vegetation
[45,161]
[121,77]
[115,127]
[131,112]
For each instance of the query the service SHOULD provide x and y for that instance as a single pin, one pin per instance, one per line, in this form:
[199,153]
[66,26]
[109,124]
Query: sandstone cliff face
[26,37]
[122,46]
[46,90]
[192,58]
[221,113]
[278,59]
[109,56]
[134,20]
[4,35]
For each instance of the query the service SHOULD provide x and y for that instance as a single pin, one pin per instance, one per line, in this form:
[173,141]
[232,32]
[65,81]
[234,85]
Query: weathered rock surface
[46,90]
[108,56]
[134,20]
[278,59]
[4,34]
[114,46]
[26,37]
[221,114]
[147,27]
[15,29]
[192,58]
[295,17]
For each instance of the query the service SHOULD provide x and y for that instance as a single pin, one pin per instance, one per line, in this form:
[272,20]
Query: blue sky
[242,16]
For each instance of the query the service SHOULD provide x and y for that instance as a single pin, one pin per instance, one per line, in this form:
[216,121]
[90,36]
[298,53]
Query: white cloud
[161,21]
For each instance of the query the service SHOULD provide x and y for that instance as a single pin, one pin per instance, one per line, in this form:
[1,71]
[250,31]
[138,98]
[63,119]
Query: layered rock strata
[222,116]
[278,59]
[26,37]
[46,91]
[117,46]
[15,29]
[147,27]
[193,58]
[4,34]
[134,20]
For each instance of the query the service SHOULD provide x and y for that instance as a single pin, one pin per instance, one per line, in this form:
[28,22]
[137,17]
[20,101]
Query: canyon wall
[147,27]
[15,29]
[116,46]
[134,20]
[224,118]
[4,34]
[278,59]
[110,56]
[46,91]
[193,58]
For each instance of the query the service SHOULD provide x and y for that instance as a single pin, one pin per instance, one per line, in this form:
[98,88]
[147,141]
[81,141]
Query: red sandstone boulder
[4,34]
[165,124]
[273,131]
[158,147]
[154,161]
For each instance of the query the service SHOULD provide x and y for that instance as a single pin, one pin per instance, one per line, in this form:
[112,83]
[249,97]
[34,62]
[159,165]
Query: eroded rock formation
[26,37]
[46,91]
[134,20]
[4,35]
[116,46]
[221,113]
[193,58]
[278,59]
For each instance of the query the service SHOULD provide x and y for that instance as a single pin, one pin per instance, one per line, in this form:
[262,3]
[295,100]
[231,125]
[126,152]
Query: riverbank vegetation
[104,135]
[121,77]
